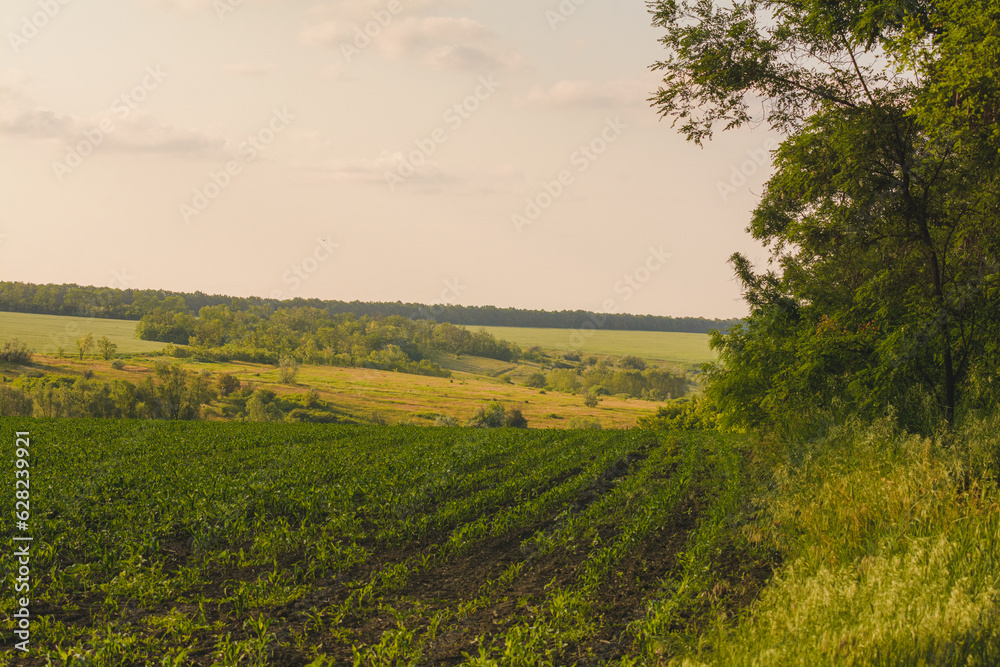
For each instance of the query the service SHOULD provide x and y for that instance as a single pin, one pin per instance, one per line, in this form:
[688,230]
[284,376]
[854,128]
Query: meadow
[689,349]
[48,333]
[370,395]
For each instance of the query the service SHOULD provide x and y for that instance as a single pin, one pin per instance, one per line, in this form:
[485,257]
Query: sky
[433,151]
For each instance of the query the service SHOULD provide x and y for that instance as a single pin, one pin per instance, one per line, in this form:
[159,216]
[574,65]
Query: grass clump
[892,552]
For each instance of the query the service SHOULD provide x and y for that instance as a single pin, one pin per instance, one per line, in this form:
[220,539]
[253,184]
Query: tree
[228,384]
[494,415]
[288,370]
[107,348]
[84,344]
[261,407]
[881,227]
[630,361]
[536,380]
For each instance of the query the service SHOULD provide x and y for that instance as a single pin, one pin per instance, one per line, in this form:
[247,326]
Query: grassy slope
[891,545]
[396,397]
[47,333]
[681,348]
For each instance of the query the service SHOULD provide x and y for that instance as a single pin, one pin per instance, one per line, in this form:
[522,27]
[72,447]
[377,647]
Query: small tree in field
[288,370]
[228,384]
[85,344]
[107,348]
[494,415]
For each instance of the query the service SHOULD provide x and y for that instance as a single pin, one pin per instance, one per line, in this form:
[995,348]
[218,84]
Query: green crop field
[218,544]
[681,348]
[225,544]
[48,333]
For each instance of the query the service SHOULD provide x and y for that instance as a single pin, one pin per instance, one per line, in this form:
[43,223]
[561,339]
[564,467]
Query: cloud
[133,132]
[590,95]
[366,170]
[437,42]
[428,178]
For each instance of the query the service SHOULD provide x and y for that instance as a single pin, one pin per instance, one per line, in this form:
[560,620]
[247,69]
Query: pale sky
[462,151]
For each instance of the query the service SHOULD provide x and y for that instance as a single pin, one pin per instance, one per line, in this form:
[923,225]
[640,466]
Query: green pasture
[682,348]
[47,333]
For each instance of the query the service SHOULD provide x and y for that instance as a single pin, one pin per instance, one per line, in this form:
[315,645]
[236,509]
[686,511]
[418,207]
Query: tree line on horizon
[132,304]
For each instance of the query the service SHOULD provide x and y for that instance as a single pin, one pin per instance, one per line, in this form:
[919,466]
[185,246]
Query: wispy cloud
[590,95]
[132,130]
[437,42]
[430,177]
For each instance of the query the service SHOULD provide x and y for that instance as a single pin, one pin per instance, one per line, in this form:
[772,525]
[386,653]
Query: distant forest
[129,304]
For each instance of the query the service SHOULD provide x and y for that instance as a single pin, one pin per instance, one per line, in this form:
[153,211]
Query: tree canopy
[881,216]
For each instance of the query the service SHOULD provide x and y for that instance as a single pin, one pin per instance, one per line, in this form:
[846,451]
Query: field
[373,395]
[224,544]
[48,333]
[384,396]
[670,347]
[217,544]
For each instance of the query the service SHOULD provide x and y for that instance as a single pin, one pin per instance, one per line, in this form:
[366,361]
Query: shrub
[118,364]
[630,361]
[288,370]
[505,378]
[176,352]
[564,380]
[445,420]
[494,415]
[590,400]
[261,407]
[591,423]
[682,415]
[536,380]
[15,351]
[515,419]
[14,402]
[312,416]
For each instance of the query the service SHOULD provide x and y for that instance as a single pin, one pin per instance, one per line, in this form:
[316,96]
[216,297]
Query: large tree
[881,215]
